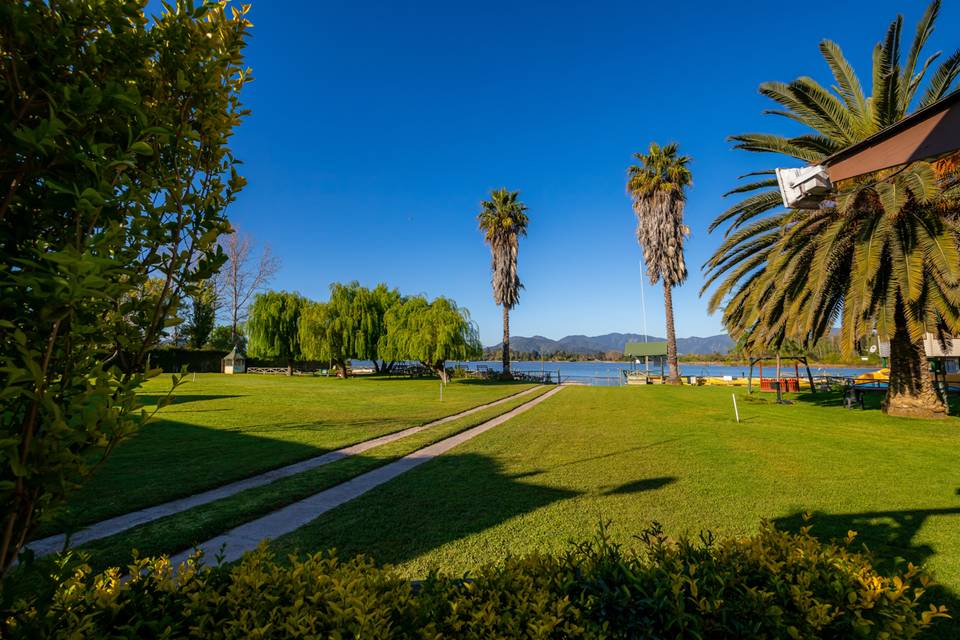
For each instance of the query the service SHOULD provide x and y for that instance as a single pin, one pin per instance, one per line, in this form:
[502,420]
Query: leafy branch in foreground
[113,196]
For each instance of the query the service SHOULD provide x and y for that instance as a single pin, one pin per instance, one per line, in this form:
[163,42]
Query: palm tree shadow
[620,452]
[448,499]
[889,538]
[640,486]
[184,398]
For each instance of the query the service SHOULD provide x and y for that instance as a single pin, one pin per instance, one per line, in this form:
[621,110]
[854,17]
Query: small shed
[645,351]
[234,362]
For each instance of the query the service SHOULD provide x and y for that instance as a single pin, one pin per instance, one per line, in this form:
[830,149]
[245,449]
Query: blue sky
[378,127]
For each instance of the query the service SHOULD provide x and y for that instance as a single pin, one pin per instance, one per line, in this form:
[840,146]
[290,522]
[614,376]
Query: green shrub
[770,585]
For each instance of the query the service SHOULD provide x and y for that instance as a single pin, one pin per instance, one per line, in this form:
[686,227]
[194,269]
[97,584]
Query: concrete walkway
[239,540]
[118,524]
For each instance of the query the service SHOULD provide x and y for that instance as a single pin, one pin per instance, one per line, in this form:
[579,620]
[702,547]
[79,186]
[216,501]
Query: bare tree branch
[244,274]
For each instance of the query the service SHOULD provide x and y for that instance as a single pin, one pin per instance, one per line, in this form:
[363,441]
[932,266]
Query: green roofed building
[645,349]
[644,352]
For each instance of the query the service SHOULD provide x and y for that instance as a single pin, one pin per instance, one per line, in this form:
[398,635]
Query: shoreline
[813,365]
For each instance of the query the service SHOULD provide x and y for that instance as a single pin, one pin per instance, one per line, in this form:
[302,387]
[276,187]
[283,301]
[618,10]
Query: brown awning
[928,133]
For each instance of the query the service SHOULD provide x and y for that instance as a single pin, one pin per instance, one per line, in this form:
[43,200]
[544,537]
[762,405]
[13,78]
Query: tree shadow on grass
[640,486]
[166,460]
[536,472]
[872,400]
[183,398]
[448,499]
[889,537]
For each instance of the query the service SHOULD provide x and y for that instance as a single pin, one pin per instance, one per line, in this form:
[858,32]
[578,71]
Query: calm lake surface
[603,373]
[609,373]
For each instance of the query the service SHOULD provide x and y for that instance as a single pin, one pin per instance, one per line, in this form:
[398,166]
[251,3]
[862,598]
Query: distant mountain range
[613,342]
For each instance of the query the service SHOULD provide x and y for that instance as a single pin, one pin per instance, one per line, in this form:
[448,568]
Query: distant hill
[613,342]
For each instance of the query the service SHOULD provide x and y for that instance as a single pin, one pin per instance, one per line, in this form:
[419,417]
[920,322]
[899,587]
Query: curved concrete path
[234,543]
[118,524]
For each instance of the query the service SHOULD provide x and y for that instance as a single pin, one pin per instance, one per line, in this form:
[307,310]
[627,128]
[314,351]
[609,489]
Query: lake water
[608,373]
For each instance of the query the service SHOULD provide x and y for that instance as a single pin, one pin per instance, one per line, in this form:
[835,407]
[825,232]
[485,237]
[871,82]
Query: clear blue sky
[377,128]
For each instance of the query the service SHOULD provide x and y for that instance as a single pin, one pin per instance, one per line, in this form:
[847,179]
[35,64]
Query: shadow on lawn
[455,381]
[639,486]
[449,499]
[889,537]
[536,472]
[872,400]
[183,398]
[169,459]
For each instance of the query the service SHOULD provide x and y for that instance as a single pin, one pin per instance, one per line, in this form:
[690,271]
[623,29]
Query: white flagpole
[643,303]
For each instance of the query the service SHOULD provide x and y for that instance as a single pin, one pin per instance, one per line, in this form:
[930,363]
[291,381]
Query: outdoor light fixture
[803,188]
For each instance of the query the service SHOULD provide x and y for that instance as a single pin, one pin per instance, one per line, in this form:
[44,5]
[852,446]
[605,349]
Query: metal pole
[779,393]
[736,411]
[806,364]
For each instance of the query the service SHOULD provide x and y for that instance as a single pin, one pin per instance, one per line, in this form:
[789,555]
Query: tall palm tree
[657,186]
[503,221]
[882,254]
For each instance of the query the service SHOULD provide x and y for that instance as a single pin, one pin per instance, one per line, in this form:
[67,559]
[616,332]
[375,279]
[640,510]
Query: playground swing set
[780,383]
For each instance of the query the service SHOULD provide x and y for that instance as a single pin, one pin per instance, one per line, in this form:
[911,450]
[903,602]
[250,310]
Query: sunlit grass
[222,428]
[673,455]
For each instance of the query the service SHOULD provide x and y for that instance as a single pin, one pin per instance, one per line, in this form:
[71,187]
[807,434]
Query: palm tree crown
[657,186]
[503,221]
[881,254]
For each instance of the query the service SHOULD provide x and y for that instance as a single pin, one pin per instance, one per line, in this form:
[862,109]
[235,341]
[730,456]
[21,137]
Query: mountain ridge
[583,344]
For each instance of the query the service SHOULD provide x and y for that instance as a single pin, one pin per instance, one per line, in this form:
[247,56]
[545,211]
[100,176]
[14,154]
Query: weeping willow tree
[881,255]
[349,325]
[431,333]
[503,221]
[274,327]
[657,186]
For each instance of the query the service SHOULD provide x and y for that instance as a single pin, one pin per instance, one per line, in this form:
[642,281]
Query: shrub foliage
[770,585]
[117,171]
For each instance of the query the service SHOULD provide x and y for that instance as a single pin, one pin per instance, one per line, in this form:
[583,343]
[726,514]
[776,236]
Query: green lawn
[183,530]
[223,428]
[674,455]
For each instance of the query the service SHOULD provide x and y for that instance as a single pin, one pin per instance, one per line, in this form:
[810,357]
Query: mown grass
[222,428]
[672,455]
[183,530]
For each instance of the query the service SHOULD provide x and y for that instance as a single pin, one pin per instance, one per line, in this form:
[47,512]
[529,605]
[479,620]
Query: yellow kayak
[883,375]
[880,375]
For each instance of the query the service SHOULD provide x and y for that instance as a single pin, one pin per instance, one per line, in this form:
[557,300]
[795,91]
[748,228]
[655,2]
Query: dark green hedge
[172,360]
[770,585]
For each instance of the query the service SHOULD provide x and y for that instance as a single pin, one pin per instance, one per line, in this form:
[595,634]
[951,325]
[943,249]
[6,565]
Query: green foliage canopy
[274,326]
[430,332]
[503,221]
[222,339]
[657,186]
[116,170]
[203,314]
[349,325]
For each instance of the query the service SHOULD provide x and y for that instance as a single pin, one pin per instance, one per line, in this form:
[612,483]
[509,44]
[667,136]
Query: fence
[609,380]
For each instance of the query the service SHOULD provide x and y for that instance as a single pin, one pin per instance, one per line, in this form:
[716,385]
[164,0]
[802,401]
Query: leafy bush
[770,585]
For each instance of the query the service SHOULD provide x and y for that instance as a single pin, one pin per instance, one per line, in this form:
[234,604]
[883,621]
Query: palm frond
[749,208]
[909,80]
[848,84]
[941,84]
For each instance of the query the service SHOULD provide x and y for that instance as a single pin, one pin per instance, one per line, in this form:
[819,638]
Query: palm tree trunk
[505,356]
[673,377]
[911,391]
